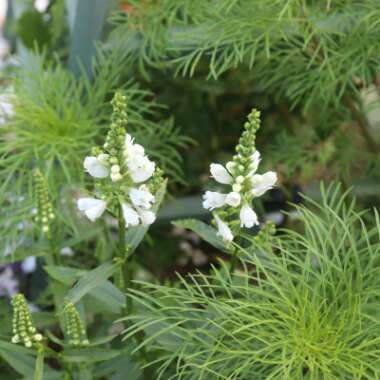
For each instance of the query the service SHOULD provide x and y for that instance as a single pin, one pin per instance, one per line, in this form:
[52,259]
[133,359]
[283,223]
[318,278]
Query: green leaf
[134,235]
[19,358]
[106,294]
[91,280]
[89,355]
[203,230]
[101,340]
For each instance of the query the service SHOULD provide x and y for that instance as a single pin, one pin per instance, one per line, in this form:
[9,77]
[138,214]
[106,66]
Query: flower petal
[141,197]
[147,217]
[248,218]
[131,217]
[213,199]
[93,208]
[223,230]
[255,161]
[263,183]
[233,199]
[140,168]
[220,174]
[95,167]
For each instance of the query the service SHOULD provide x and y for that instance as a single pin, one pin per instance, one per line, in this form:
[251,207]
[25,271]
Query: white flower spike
[245,184]
[93,208]
[123,164]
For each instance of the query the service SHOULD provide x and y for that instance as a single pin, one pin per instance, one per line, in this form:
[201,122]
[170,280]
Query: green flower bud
[74,327]
[23,330]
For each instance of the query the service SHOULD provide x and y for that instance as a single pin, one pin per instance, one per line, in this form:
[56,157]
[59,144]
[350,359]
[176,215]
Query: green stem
[233,262]
[39,369]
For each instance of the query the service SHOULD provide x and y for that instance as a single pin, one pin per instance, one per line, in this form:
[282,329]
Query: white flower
[248,217]
[132,149]
[93,208]
[131,217]
[66,251]
[147,217]
[95,167]
[233,199]
[140,168]
[141,197]
[223,230]
[220,174]
[29,264]
[263,183]
[230,165]
[8,283]
[255,161]
[213,199]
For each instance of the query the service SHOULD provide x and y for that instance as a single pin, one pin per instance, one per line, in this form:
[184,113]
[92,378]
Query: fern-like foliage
[57,119]
[303,306]
[305,50]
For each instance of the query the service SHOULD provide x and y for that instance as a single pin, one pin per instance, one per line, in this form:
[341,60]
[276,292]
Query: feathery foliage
[56,114]
[303,306]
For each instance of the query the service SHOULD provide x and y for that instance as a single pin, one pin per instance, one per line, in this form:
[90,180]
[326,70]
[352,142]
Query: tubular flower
[234,208]
[125,177]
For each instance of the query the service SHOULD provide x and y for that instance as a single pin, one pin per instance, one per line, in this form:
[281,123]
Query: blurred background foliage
[192,71]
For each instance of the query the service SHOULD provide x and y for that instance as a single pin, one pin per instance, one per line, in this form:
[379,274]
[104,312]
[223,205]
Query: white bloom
[132,149]
[66,251]
[131,217]
[29,264]
[213,199]
[248,217]
[220,174]
[263,183]
[147,217]
[255,161]
[93,208]
[140,168]
[233,199]
[8,283]
[95,167]
[141,197]
[223,230]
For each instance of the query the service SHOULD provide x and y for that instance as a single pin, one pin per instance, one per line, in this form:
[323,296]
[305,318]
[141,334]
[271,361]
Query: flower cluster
[74,327]
[246,184]
[44,209]
[23,329]
[124,174]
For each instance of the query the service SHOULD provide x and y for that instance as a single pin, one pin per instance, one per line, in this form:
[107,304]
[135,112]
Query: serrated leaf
[91,280]
[204,231]
[89,355]
[134,235]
